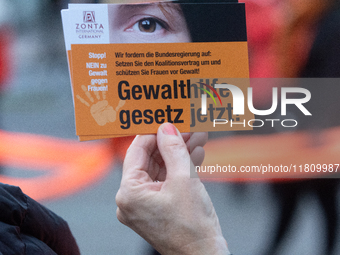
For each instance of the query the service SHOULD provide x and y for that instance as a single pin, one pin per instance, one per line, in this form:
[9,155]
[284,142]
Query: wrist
[208,246]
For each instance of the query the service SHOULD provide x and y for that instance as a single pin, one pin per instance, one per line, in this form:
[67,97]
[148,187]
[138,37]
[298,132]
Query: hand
[158,199]
[101,111]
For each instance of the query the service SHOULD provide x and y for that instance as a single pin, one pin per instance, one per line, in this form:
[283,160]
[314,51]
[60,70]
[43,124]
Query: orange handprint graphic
[101,111]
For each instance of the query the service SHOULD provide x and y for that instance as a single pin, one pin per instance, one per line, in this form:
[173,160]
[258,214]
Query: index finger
[137,159]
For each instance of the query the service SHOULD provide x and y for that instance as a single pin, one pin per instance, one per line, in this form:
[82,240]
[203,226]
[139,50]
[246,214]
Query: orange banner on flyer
[124,90]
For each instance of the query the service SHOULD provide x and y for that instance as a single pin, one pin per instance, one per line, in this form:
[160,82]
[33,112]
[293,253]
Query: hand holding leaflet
[158,199]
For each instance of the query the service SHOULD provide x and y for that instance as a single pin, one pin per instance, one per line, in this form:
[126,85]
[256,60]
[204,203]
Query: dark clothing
[323,62]
[27,227]
[324,58]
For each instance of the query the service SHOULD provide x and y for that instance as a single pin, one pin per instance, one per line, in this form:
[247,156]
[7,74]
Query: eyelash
[159,24]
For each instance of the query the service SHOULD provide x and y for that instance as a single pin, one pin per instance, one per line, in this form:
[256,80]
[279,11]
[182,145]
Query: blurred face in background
[147,23]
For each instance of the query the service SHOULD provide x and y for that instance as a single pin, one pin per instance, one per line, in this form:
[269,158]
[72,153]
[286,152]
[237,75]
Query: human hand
[159,201]
[101,111]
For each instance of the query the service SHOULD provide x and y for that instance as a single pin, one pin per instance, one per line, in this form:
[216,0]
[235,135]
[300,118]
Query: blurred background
[40,153]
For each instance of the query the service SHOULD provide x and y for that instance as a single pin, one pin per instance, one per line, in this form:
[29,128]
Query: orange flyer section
[123,90]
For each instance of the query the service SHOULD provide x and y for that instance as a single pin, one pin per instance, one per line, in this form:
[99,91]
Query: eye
[149,25]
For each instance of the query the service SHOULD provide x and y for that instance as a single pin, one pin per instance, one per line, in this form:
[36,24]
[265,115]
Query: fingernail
[169,129]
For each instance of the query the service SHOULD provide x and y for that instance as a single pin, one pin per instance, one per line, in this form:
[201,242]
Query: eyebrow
[141,6]
[169,4]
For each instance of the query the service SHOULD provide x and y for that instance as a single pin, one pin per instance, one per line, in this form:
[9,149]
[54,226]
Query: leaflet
[135,66]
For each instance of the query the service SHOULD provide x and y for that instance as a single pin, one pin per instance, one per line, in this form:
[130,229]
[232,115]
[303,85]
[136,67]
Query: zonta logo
[89,26]
[89,23]
[239,103]
[89,16]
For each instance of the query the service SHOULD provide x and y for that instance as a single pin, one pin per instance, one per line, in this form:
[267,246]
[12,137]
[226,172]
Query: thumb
[174,151]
